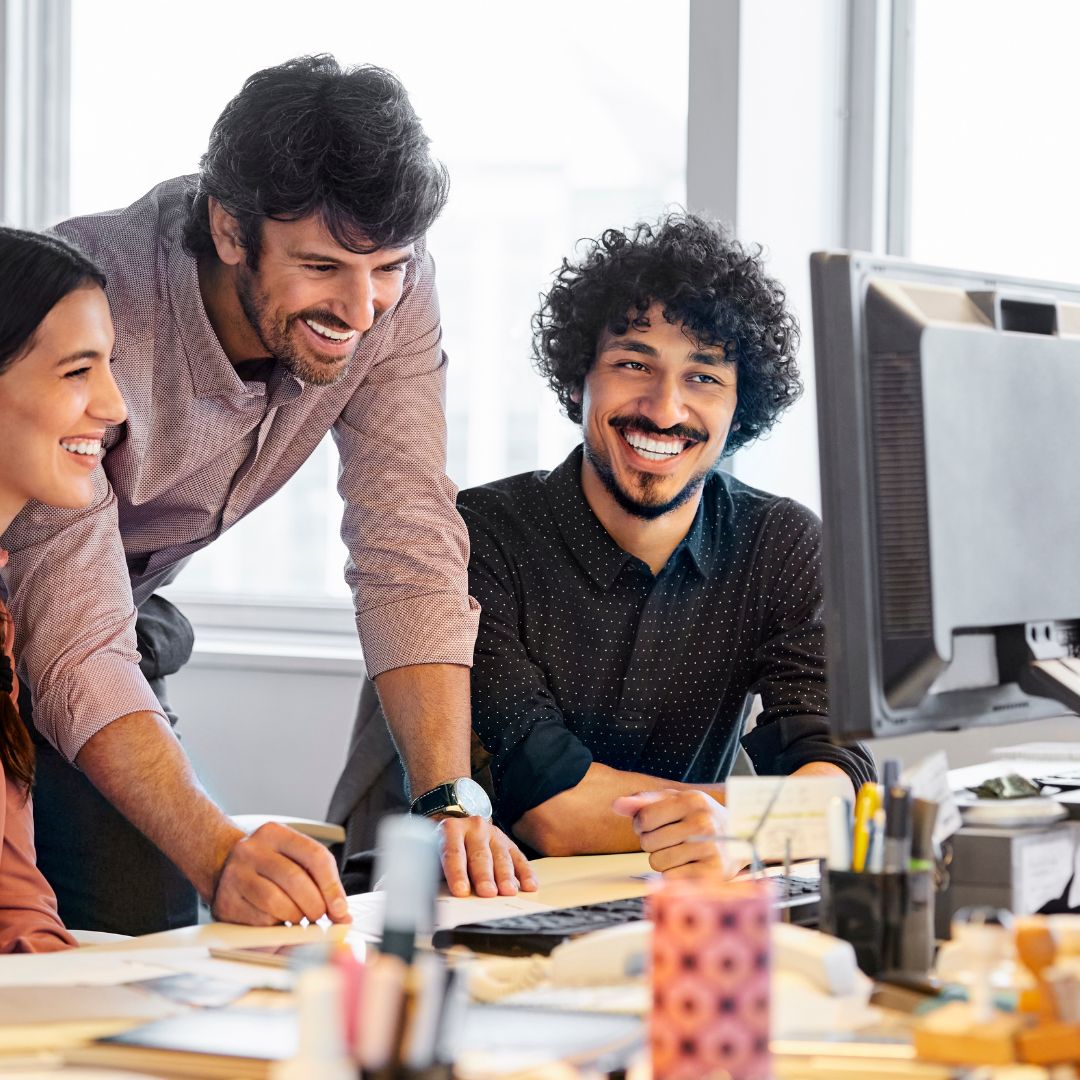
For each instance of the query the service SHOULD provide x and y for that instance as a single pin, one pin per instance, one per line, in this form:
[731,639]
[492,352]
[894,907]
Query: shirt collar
[212,372]
[592,545]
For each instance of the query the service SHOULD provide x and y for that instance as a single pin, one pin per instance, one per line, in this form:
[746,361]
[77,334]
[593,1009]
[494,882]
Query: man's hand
[472,849]
[277,875]
[666,822]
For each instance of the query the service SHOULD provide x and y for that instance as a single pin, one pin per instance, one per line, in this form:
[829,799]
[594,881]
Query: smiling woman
[57,397]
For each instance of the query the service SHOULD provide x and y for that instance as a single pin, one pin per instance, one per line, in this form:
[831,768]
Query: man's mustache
[643,423]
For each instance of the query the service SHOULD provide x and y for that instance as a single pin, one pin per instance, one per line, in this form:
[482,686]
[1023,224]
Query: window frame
[873,200]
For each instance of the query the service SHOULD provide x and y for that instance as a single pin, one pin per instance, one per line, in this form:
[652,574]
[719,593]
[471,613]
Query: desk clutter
[700,977]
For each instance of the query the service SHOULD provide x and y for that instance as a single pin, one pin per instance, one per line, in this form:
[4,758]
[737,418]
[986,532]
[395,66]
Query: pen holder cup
[888,918]
[711,961]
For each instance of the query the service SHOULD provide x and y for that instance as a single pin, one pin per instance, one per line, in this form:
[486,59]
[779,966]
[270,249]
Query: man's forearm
[823,768]
[138,765]
[580,821]
[427,709]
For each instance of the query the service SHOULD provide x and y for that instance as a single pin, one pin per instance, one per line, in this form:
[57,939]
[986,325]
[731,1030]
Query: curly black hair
[308,136]
[706,281]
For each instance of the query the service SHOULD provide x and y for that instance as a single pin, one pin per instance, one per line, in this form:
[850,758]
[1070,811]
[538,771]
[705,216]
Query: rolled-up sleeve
[534,754]
[793,728]
[70,596]
[408,548]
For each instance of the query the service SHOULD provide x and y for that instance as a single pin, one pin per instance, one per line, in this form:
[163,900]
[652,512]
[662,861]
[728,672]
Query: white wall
[265,741]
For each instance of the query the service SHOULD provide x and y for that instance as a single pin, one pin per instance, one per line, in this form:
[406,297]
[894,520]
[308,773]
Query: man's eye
[632,365]
[395,268]
[706,379]
[76,373]
[321,268]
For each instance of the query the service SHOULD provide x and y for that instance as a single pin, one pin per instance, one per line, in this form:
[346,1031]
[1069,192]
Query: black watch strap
[435,801]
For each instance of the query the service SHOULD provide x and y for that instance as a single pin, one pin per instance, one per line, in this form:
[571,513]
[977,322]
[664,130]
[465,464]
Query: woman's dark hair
[309,137]
[707,282]
[36,273]
[16,749]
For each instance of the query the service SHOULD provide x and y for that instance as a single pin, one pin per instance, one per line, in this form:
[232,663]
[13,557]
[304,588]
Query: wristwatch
[462,797]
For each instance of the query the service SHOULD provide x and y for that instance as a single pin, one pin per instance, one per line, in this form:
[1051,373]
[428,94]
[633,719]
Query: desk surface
[563,882]
[583,879]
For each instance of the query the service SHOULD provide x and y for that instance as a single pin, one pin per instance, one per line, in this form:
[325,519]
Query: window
[994,157]
[555,120]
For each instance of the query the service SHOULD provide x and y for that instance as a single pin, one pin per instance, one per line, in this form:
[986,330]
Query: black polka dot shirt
[583,654]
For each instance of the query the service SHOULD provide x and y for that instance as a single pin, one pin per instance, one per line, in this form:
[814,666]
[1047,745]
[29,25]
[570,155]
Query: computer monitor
[949,432]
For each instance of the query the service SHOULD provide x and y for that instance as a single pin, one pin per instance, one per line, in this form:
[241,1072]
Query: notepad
[239,1044]
[797,817]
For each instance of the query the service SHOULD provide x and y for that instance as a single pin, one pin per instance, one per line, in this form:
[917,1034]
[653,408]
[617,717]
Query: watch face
[472,797]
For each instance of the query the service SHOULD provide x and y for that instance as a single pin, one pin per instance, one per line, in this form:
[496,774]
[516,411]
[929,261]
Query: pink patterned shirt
[201,448]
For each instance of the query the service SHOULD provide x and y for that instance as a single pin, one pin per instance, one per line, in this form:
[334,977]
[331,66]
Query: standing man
[284,292]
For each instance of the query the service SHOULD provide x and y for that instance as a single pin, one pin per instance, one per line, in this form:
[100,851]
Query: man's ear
[575,396]
[225,230]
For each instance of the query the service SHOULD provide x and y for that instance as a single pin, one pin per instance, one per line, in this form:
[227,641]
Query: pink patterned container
[710,978]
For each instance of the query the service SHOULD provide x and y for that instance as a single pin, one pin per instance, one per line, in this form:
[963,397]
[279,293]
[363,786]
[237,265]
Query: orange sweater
[29,921]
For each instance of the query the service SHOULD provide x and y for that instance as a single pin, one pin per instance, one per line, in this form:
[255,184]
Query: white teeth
[86,447]
[654,449]
[326,332]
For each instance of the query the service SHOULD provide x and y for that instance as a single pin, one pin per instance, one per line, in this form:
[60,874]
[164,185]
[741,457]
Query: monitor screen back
[949,427]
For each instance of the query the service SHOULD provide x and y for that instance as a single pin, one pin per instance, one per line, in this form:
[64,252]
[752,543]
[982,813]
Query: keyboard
[540,932]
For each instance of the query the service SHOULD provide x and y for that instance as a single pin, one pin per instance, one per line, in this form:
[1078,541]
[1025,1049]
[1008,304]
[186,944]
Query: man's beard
[276,337]
[647,505]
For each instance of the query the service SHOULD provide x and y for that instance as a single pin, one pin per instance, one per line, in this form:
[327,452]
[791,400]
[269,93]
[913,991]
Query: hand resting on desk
[667,823]
[472,849]
[278,875]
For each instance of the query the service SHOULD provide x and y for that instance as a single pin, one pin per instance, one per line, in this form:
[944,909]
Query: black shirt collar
[591,544]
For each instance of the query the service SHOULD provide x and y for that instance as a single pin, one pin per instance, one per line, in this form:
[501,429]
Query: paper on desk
[23,1005]
[1046,863]
[929,779]
[76,967]
[798,815]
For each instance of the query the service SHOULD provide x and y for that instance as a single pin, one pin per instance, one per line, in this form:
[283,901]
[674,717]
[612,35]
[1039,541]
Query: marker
[407,869]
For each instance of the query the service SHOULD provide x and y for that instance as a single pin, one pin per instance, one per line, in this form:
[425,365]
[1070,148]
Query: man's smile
[656,447]
[331,335]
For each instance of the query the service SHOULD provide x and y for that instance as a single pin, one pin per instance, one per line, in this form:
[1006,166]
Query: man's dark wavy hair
[310,137]
[706,281]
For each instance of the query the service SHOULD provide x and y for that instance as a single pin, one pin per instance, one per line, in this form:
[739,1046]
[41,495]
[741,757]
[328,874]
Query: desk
[563,882]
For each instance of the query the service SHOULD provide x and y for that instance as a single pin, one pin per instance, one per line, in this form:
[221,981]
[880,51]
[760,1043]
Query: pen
[866,805]
[890,773]
[383,1008]
[923,819]
[897,830]
[875,850]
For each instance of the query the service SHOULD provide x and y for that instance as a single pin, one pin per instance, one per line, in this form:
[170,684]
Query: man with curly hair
[636,598]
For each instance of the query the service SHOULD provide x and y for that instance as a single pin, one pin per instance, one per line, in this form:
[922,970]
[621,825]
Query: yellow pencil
[866,806]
